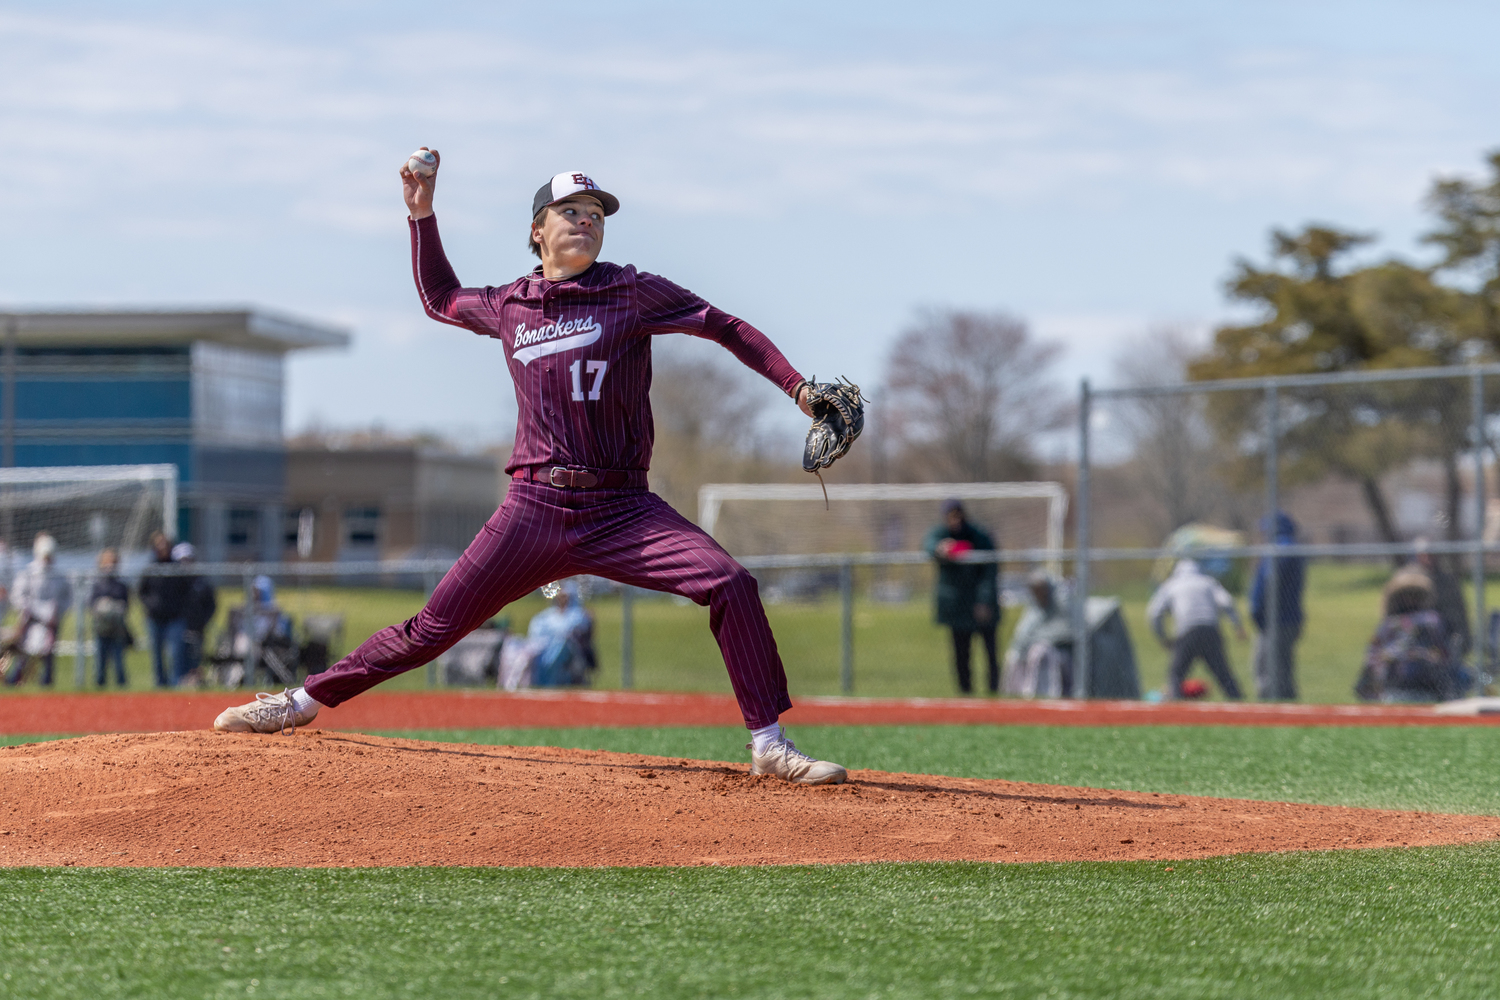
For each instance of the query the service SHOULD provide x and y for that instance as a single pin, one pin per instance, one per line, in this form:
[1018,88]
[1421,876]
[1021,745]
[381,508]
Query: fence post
[1082,681]
[1271,635]
[627,637]
[428,586]
[80,657]
[252,640]
[1481,630]
[846,633]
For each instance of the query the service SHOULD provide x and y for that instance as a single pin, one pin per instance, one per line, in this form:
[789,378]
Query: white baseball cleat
[268,713]
[785,761]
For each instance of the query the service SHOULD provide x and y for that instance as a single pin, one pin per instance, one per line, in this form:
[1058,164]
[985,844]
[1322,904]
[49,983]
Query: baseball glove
[838,417]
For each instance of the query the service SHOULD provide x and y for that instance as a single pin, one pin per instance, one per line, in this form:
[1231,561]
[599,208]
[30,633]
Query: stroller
[30,641]
[253,640]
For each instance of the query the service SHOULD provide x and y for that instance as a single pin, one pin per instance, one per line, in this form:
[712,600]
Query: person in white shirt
[1195,601]
[41,595]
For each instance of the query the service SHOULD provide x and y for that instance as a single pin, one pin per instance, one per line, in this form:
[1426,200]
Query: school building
[201,389]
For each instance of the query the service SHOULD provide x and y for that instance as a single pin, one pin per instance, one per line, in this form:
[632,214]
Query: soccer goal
[87,507]
[782,519]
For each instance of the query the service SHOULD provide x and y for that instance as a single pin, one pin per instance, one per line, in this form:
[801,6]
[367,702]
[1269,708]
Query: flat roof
[249,327]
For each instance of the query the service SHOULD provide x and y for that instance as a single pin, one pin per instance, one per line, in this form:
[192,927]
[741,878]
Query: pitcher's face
[571,230]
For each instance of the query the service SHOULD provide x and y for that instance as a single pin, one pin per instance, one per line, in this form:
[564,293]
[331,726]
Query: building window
[237,395]
[243,525]
[362,527]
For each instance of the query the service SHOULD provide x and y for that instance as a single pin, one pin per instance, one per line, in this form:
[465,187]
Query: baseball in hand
[423,163]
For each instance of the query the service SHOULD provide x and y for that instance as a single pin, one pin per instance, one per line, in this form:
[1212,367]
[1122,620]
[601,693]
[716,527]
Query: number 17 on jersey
[594,368]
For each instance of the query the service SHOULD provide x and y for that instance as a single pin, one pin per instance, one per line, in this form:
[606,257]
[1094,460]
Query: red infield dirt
[173,711]
[331,799]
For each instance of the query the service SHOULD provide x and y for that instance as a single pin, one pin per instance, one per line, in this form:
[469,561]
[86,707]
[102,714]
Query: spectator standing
[968,594]
[1195,601]
[198,608]
[1275,669]
[1039,661]
[109,604]
[165,599]
[41,595]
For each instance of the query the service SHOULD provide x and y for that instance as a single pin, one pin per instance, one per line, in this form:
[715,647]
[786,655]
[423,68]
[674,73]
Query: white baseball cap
[567,184]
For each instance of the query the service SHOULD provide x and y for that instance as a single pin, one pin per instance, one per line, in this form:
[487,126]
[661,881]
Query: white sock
[762,737]
[302,701]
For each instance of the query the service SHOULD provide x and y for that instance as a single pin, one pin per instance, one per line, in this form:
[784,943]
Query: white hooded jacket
[1192,598]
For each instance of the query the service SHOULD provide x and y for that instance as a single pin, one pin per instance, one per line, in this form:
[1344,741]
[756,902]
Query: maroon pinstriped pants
[542,533]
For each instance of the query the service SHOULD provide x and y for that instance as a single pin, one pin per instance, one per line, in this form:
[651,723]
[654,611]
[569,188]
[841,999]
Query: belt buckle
[552,477]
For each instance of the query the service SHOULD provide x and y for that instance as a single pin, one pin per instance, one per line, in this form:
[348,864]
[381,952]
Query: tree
[1468,233]
[971,392]
[1172,454]
[707,408]
[1319,315]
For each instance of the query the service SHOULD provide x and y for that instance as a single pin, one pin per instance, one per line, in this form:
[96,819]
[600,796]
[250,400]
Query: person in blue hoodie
[1275,670]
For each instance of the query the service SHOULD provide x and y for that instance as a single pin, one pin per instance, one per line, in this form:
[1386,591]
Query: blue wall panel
[62,399]
[108,453]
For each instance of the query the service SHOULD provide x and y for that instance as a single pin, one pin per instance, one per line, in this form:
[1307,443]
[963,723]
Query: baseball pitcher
[576,333]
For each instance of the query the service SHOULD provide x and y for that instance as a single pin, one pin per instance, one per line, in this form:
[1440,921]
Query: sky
[824,170]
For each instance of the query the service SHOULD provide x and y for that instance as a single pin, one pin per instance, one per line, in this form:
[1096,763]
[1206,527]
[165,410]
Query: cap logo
[571,182]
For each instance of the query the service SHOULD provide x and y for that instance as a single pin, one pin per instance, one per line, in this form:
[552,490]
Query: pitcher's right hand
[417,190]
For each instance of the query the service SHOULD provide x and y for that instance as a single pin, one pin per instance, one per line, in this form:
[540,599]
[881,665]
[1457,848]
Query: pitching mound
[322,798]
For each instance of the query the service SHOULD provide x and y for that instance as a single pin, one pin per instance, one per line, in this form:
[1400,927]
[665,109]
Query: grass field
[1412,922]
[899,652]
[1384,923]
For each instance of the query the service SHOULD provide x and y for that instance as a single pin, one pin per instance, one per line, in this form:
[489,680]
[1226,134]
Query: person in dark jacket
[165,600]
[1447,599]
[109,604]
[968,594]
[1409,658]
[1275,670]
[198,607]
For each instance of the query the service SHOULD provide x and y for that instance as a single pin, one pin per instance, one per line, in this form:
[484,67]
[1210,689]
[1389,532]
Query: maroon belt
[581,479]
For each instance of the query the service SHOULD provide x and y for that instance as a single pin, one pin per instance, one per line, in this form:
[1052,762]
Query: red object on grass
[1194,688]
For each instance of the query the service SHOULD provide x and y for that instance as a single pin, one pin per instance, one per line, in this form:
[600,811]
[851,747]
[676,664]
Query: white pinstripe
[539,533]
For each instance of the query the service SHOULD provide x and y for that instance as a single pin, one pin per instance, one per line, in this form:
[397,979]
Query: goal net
[753,519]
[86,508]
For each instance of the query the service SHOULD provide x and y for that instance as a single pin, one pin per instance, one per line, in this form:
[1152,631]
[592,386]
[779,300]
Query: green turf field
[1382,923]
[1412,922]
[899,652]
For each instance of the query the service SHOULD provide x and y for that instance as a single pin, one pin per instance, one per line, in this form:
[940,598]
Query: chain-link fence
[1304,495]
[1328,507]
[842,626]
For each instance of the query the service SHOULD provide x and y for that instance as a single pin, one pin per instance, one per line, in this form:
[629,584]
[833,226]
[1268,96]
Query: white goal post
[712,497]
[89,506]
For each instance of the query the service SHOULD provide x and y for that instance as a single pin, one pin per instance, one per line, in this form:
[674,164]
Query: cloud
[226,128]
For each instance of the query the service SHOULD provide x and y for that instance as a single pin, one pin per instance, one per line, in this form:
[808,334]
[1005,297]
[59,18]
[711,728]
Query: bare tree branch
[973,391]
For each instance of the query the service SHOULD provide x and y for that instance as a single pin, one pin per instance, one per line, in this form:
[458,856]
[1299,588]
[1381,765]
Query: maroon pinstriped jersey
[579,351]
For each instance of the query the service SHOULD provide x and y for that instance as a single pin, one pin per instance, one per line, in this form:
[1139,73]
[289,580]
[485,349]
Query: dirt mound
[321,798]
